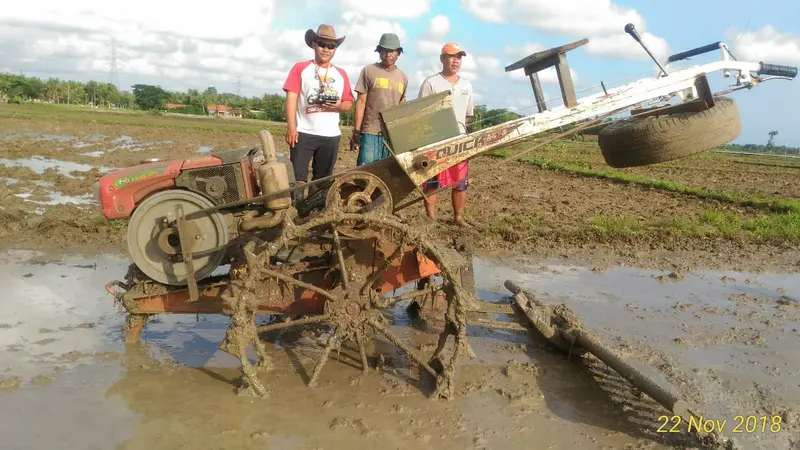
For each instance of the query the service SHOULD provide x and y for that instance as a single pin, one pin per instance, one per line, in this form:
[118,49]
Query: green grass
[765,228]
[617,226]
[135,118]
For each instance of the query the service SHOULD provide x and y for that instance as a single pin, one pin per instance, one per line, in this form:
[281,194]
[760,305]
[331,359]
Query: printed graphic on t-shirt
[326,90]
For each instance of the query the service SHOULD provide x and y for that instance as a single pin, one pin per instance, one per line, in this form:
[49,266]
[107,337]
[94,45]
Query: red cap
[451,48]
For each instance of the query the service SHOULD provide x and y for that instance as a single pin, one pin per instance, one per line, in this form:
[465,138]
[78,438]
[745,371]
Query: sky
[248,46]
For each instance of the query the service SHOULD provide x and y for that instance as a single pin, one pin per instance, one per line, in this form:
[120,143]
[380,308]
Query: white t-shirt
[461,91]
[304,80]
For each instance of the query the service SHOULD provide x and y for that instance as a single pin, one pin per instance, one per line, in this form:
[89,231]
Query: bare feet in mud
[458,220]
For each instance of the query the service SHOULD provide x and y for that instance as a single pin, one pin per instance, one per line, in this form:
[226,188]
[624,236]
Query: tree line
[759,148]
[19,88]
[146,97]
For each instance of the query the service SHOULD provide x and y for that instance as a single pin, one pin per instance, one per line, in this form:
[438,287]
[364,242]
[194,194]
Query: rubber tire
[204,266]
[638,142]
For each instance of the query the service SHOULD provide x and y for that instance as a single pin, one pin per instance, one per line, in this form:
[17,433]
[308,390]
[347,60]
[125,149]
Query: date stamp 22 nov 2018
[742,424]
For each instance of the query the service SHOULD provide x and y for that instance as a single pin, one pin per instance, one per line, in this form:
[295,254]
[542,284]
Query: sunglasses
[324,45]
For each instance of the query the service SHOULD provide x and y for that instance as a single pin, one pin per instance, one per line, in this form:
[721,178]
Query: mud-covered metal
[564,330]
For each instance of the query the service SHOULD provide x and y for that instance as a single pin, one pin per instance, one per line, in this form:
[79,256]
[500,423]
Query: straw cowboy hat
[323,32]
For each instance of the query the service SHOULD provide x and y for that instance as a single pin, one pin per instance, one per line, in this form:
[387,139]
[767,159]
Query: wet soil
[176,389]
[60,342]
[517,210]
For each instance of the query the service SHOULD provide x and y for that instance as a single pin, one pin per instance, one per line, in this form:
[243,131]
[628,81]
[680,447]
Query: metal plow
[561,328]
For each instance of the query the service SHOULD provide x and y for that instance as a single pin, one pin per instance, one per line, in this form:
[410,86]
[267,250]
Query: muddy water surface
[727,341]
[68,382]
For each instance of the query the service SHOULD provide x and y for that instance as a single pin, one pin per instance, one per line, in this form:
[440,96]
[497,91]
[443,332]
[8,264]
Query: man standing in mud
[380,86]
[316,93]
[461,89]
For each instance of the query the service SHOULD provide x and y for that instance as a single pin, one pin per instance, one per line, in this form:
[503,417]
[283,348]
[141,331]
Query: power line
[113,73]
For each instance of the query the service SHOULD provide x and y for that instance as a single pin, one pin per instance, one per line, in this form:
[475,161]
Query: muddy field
[48,165]
[705,306]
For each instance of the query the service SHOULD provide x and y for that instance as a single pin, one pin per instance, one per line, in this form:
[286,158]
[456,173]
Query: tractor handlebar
[694,52]
[777,70]
[631,29]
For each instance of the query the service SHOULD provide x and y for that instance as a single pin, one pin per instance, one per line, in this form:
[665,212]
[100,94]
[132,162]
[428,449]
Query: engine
[153,194]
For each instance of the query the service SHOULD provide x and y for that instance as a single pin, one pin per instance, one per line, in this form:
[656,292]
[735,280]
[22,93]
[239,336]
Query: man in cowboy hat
[381,85]
[461,90]
[316,93]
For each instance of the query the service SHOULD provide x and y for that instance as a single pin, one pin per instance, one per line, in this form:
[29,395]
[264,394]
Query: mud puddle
[127,143]
[67,381]
[56,198]
[40,164]
[727,341]
[32,136]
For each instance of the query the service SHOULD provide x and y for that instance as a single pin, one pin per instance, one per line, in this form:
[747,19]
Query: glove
[355,141]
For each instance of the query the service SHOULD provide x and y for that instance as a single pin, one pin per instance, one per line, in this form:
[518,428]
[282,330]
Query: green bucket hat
[389,41]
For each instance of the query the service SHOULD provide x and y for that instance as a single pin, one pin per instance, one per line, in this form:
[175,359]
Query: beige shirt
[384,89]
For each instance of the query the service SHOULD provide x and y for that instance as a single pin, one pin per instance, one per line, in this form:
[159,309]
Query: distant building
[223,111]
[176,106]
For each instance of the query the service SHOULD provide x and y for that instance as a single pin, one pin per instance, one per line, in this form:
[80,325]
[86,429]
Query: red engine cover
[119,192]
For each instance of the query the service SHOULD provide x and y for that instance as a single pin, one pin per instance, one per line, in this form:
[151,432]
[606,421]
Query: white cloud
[429,48]
[576,17]
[488,65]
[73,41]
[486,10]
[518,52]
[250,16]
[602,21]
[439,27]
[767,45]
[363,34]
[625,47]
[408,9]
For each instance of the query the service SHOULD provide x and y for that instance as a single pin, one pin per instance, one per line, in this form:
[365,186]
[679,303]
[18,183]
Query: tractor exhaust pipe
[263,222]
[273,175]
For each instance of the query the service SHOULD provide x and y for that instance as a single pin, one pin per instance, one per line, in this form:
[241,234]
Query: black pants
[321,151]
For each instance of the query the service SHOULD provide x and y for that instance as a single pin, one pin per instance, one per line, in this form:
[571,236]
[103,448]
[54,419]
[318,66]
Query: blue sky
[250,45]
